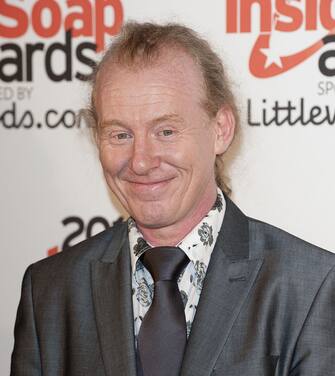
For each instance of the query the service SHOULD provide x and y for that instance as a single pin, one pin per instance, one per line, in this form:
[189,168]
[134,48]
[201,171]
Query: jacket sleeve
[315,348]
[26,355]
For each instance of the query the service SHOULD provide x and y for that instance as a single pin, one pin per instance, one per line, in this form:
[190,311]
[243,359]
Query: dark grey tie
[162,337]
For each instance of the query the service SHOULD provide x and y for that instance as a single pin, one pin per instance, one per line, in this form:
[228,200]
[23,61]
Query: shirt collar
[198,244]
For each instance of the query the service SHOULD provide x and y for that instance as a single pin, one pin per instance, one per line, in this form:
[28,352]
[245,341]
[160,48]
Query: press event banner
[280,56]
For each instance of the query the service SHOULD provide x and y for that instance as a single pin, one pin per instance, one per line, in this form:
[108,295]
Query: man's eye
[166,132]
[122,136]
[119,137]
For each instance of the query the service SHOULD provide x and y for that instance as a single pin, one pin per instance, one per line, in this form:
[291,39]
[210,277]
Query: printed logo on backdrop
[59,40]
[290,33]
[77,230]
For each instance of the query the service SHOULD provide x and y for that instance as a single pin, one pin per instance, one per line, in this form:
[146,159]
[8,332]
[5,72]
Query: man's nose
[144,157]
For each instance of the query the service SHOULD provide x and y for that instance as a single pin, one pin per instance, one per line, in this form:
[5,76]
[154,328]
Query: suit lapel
[228,281]
[111,283]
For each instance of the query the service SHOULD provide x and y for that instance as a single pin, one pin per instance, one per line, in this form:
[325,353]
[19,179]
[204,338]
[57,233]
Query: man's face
[157,144]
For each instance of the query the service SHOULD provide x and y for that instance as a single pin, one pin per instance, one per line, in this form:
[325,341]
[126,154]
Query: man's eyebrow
[168,117]
[160,119]
[113,122]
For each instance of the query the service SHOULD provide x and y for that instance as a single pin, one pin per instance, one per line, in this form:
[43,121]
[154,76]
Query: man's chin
[151,223]
[152,220]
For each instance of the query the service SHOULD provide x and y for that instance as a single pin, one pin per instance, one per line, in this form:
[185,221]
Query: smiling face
[157,144]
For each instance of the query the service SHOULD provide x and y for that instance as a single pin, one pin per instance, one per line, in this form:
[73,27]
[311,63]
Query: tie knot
[165,263]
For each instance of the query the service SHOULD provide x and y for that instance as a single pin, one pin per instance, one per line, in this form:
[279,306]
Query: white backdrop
[52,190]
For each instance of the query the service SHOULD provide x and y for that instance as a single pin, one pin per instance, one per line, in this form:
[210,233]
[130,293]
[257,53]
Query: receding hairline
[141,64]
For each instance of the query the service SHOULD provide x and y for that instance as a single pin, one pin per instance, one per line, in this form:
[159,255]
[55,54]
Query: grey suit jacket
[267,308]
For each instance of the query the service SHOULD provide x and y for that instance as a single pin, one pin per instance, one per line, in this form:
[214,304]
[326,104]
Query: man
[255,300]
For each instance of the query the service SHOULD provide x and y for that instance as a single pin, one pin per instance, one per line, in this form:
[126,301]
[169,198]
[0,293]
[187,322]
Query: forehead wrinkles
[150,93]
[141,107]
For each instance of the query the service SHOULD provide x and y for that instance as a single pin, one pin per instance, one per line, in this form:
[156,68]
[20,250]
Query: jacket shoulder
[83,253]
[288,250]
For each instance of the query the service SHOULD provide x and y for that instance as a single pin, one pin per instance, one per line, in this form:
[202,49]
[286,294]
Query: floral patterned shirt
[198,246]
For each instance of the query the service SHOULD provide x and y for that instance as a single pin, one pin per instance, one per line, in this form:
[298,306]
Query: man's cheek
[110,162]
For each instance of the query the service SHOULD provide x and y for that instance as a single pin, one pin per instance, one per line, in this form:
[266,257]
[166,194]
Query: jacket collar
[112,297]
[229,280]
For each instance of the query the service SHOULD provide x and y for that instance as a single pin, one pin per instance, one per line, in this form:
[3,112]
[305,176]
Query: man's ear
[224,123]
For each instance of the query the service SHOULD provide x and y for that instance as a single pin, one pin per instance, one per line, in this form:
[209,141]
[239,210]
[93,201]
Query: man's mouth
[147,186]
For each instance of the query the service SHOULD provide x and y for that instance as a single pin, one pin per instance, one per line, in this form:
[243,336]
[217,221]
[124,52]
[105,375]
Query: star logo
[272,57]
